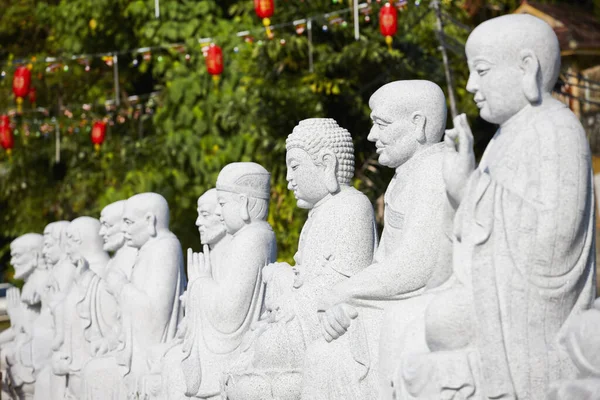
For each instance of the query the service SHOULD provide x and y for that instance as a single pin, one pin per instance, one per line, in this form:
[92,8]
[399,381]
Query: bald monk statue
[524,229]
[24,308]
[75,326]
[414,254]
[167,381]
[104,307]
[148,300]
[226,299]
[337,241]
[57,262]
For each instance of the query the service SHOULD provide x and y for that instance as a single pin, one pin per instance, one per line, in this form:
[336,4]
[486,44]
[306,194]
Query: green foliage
[199,125]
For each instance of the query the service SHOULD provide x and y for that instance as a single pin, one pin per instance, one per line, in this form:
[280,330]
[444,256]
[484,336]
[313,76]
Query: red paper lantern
[388,22]
[98,134]
[21,82]
[7,141]
[265,10]
[214,61]
[32,95]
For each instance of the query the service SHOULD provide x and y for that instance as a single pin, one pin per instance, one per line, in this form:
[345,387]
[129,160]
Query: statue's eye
[295,167]
[482,71]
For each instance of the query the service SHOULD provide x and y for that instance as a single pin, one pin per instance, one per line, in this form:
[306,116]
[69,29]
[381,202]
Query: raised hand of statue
[336,320]
[459,159]
[13,299]
[198,264]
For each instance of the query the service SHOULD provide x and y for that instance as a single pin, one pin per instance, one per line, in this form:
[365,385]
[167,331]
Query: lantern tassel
[267,24]
[389,40]
[97,148]
[20,105]
[9,153]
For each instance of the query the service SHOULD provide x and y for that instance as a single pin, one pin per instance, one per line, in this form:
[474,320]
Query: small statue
[24,309]
[414,254]
[148,300]
[75,325]
[337,241]
[524,229]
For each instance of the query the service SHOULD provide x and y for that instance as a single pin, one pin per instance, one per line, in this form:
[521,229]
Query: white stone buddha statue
[74,318]
[24,308]
[148,299]
[337,241]
[523,233]
[414,254]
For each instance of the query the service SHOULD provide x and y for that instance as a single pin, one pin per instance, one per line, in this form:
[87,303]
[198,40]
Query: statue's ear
[244,214]
[419,121]
[330,163]
[530,66]
[150,223]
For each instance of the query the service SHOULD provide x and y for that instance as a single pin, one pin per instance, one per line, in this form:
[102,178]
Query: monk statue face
[514,61]
[73,244]
[209,223]
[308,180]
[24,257]
[232,210]
[111,230]
[138,227]
[52,251]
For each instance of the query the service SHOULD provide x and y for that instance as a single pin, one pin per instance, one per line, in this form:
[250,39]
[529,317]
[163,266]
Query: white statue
[75,325]
[414,254]
[168,380]
[337,241]
[24,309]
[148,300]
[524,229]
[55,257]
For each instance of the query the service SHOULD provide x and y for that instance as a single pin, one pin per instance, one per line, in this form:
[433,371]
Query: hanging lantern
[21,82]
[32,96]
[98,134]
[7,141]
[388,23]
[265,9]
[214,61]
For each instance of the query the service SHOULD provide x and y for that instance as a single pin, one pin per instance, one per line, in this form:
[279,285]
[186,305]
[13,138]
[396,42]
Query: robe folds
[524,256]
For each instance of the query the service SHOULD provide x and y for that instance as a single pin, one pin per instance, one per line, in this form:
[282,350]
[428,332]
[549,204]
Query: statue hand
[459,159]
[337,320]
[115,280]
[60,363]
[198,264]
[99,347]
[13,307]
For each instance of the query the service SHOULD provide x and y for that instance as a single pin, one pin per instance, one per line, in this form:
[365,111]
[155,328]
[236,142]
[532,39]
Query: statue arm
[7,336]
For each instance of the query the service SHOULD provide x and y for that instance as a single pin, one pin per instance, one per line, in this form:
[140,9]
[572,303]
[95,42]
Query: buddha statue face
[513,61]
[306,179]
[209,223]
[25,252]
[232,210]
[110,229]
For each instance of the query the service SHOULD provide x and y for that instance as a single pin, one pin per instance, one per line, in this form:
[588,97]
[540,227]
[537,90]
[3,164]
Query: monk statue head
[111,219]
[243,191]
[146,216]
[514,61]
[83,240]
[26,254]
[408,116]
[55,242]
[211,227]
[320,160]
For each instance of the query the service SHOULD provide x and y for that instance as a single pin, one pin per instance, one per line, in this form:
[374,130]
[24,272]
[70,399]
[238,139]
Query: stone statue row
[482,285]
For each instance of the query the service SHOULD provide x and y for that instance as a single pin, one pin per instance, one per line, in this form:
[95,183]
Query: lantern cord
[156,9]
[310,46]
[356,20]
[116,78]
[57,141]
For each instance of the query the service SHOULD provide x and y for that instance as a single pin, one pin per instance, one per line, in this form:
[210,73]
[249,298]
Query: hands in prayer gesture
[336,317]
[198,264]
[459,160]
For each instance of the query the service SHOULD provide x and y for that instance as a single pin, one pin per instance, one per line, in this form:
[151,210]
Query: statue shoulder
[352,201]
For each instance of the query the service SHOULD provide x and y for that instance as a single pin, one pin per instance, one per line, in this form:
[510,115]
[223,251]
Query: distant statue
[24,308]
[167,380]
[414,254]
[148,299]
[524,229]
[337,241]
[75,325]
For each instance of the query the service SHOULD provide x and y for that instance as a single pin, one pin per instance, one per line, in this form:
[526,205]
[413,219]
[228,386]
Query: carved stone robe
[524,258]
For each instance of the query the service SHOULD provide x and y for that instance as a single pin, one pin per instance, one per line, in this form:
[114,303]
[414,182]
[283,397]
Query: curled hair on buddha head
[317,134]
